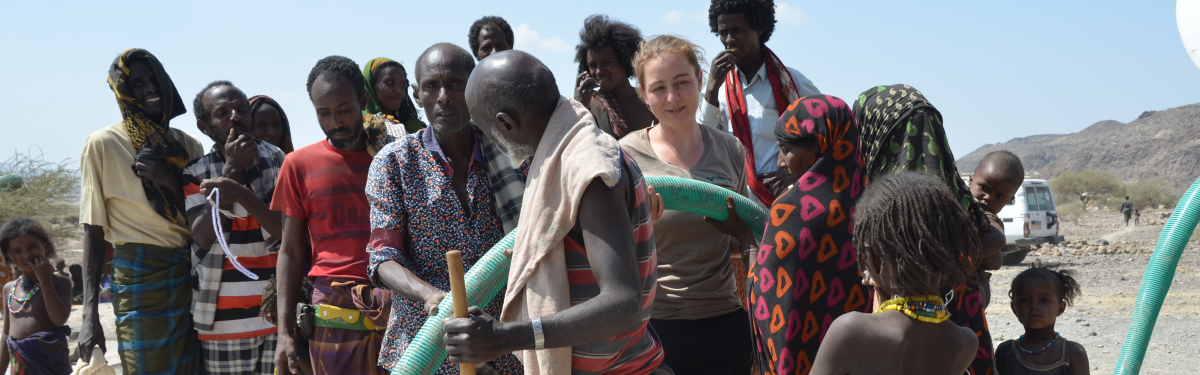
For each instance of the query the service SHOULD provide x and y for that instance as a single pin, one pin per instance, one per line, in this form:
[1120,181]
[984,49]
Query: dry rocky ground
[1110,276]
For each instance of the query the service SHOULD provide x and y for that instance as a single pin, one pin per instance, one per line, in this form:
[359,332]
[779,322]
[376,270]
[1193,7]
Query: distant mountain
[1162,144]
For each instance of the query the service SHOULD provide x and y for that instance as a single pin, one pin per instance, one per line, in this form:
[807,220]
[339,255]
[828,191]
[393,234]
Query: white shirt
[760,108]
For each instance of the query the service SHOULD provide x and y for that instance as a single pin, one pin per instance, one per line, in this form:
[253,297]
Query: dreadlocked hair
[488,21]
[1063,279]
[198,106]
[335,65]
[270,298]
[915,226]
[760,14]
[408,111]
[599,32]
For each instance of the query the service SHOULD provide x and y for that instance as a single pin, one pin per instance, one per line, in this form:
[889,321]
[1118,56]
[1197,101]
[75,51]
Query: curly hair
[198,106]
[1063,279]
[913,223]
[335,65]
[598,32]
[16,226]
[759,13]
[408,110]
[486,21]
[270,298]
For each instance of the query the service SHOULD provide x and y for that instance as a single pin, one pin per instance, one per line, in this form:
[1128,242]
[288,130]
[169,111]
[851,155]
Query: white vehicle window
[1032,199]
[1045,199]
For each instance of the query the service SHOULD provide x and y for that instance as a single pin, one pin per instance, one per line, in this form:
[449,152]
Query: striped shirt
[226,303]
[327,187]
[637,351]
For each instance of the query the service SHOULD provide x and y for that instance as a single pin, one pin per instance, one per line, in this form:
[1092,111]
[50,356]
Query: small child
[909,232]
[60,269]
[1039,295]
[39,303]
[994,184]
[270,307]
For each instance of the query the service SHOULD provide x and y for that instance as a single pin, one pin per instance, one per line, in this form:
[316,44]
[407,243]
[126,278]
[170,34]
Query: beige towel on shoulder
[572,153]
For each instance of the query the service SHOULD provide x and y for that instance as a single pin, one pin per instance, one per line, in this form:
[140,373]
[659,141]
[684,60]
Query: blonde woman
[697,312]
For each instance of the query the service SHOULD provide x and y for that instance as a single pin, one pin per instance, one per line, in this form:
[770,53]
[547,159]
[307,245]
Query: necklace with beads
[1037,351]
[929,309]
[13,295]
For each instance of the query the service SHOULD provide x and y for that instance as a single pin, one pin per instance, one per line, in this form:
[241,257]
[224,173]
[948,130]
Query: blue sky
[996,71]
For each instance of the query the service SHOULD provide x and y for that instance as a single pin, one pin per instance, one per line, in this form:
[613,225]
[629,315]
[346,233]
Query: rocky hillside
[1163,144]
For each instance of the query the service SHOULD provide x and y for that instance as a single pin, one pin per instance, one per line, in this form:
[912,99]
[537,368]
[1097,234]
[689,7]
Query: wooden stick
[458,291]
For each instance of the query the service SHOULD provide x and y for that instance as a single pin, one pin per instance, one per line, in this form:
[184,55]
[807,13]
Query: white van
[1030,219]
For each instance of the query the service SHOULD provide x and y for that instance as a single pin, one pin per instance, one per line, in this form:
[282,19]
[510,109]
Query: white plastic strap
[220,232]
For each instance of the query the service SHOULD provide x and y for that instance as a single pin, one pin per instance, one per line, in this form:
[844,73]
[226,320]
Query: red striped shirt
[633,352]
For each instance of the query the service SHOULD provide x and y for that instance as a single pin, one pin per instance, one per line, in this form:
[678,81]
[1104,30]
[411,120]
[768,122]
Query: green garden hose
[425,354]
[485,279]
[1157,280]
[706,199]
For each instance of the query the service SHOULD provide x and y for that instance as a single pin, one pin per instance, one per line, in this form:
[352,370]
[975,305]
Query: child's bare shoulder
[850,328]
[1076,352]
[964,339]
[60,279]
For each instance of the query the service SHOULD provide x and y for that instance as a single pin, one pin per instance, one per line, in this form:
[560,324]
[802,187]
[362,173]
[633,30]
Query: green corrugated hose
[484,280]
[1157,280]
[489,275]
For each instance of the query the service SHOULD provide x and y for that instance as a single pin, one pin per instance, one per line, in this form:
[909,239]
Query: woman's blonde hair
[662,45]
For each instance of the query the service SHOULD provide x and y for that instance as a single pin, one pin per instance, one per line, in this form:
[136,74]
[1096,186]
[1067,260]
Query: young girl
[1039,295]
[908,230]
[38,301]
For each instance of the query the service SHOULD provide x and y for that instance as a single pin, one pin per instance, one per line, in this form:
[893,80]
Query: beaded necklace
[13,295]
[1037,351]
[929,309]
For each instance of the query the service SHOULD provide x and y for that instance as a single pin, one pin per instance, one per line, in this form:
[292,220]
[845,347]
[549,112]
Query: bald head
[444,54]
[512,96]
[513,82]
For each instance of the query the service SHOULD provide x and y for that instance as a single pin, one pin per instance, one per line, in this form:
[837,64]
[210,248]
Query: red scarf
[785,92]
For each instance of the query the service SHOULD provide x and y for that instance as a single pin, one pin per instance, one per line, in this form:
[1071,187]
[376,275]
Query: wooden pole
[458,291]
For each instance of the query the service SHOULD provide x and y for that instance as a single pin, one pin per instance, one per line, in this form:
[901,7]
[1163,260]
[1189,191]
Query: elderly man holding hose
[584,250]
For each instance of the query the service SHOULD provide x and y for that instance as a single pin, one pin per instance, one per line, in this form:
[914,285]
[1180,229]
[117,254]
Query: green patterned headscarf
[902,131]
[408,111]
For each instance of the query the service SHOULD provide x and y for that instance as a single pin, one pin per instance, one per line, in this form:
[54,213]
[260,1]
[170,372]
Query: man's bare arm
[608,236]
[403,282]
[289,271]
[91,333]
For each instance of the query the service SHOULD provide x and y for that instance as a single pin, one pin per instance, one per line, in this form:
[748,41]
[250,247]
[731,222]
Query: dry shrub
[1099,184]
[49,194]
[1150,194]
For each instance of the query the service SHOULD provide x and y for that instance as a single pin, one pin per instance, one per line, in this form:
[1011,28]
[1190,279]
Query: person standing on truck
[1127,209]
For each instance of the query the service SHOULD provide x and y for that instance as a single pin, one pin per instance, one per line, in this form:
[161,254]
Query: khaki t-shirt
[695,279]
[111,195]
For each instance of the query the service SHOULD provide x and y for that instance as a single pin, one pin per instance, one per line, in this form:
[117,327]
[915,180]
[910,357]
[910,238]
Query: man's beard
[445,129]
[518,153]
[346,144]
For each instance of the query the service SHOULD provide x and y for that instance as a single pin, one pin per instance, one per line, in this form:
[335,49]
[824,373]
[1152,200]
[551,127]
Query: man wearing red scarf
[748,87]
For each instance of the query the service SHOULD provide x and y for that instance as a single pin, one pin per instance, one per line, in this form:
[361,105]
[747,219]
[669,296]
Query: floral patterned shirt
[416,217]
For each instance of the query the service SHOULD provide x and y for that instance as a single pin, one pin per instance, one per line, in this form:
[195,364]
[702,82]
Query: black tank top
[1009,362]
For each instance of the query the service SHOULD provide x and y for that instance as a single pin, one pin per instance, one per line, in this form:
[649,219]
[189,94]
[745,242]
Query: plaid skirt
[152,296]
[255,355]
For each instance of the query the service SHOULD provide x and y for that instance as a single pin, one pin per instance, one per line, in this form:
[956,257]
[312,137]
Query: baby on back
[911,236]
[994,184]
